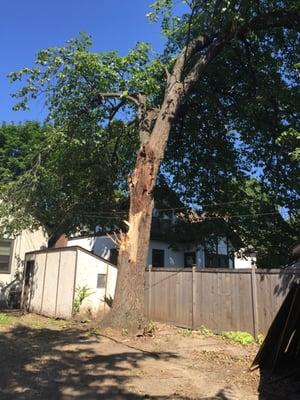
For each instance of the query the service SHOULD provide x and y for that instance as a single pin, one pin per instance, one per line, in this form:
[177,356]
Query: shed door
[28,284]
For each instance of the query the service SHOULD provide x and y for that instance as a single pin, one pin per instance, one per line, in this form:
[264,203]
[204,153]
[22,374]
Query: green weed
[5,319]
[243,338]
[205,331]
[82,292]
[150,329]
[185,331]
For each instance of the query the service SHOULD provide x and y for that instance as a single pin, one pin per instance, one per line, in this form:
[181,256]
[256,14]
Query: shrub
[150,329]
[243,338]
[81,293]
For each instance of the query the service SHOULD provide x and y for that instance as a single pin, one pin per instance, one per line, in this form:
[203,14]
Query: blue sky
[28,26]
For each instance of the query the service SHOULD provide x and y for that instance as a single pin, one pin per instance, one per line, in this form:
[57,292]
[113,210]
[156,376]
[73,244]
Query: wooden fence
[219,299]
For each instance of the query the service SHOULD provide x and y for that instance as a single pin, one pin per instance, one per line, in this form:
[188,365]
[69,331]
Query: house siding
[101,245]
[88,269]
[25,242]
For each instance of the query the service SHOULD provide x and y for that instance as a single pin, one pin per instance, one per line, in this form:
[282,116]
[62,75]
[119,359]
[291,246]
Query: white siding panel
[51,280]
[242,263]
[112,273]
[86,243]
[64,306]
[88,268]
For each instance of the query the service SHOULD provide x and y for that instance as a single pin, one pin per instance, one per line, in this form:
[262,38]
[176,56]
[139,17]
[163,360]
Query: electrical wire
[207,217]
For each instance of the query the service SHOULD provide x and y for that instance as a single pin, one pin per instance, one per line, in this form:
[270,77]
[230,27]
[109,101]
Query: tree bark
[128,304]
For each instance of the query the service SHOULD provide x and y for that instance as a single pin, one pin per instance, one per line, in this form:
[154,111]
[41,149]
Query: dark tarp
[281,347]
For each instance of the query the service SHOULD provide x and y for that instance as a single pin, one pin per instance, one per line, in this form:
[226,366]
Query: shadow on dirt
[50,364]
[69,364]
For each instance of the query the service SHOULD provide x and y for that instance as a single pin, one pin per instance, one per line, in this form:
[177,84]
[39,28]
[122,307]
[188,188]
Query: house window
[158,258]
[216,253]
[5,255]
[216,260]
[113,256]
[101,281]
[189,259]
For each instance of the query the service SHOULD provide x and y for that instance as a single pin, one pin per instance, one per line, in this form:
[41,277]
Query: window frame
[162,253]
[190,254]
[11,241]
[101,276]
[216,256]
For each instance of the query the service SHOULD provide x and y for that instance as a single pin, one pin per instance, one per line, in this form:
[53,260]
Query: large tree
[83,87]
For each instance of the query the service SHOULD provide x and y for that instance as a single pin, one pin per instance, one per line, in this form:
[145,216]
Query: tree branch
[115,110]
[273,19]
[139,100]
[113,95]
[187,52]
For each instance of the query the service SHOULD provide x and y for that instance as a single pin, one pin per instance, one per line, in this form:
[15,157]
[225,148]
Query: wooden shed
[53,279]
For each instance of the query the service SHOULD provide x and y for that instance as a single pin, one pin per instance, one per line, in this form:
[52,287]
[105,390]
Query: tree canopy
[235,64]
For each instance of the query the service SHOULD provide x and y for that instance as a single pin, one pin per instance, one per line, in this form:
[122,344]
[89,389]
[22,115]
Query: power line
[208,205]
[247,202]
[207,217]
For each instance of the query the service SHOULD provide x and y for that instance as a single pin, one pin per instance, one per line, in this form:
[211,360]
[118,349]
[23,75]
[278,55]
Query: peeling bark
[128,305]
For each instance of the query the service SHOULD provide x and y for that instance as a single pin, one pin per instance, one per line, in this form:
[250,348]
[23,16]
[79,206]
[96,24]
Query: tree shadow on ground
[71,364]
[51,364]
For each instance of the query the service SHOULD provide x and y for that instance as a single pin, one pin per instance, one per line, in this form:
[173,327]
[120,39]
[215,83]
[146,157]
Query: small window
[5,255]
[158,258]
[101,281]
[216,260]
[189,259]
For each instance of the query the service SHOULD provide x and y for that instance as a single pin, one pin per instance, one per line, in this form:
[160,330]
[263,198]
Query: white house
[12,256]
[218,251]
[162,255]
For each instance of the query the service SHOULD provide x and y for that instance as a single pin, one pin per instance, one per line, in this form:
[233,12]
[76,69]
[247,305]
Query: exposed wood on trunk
[128,305]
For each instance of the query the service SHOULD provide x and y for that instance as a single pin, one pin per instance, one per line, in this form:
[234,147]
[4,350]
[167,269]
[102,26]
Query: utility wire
[180,208]
[205,218]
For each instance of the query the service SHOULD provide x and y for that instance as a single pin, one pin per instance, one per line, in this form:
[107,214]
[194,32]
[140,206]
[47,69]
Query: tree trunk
[128,304]
[57,240]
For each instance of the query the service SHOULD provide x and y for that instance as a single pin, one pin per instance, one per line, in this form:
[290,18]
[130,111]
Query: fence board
[219,299]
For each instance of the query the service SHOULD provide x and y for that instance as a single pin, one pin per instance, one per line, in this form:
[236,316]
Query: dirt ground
[46,359]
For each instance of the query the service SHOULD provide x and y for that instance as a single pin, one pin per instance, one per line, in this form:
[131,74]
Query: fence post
[193,295]
[254,301]
[149,290]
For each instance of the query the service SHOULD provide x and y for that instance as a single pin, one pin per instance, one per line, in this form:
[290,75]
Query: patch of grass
[5,319]
[243,338]
[205,331]
[31,320]
[184,331]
